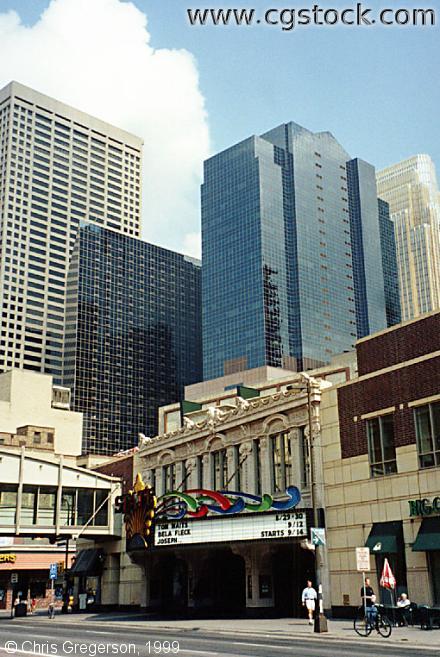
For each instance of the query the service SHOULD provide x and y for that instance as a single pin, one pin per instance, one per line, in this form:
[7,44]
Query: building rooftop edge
[54,105]
[407,160]
[396,327]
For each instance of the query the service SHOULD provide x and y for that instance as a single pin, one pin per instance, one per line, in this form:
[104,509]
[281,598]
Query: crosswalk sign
[318,535]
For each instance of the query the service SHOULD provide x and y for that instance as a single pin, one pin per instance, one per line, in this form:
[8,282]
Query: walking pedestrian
[309,597]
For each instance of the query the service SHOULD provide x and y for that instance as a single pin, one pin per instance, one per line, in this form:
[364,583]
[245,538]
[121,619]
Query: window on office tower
[427,423]
[381,447]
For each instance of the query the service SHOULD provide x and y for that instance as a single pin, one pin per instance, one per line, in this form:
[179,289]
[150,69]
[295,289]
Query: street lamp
[320,618]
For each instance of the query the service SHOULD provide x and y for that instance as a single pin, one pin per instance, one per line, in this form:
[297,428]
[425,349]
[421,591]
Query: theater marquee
[267,526]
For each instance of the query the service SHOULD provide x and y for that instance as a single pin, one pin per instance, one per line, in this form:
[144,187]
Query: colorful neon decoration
[198,502]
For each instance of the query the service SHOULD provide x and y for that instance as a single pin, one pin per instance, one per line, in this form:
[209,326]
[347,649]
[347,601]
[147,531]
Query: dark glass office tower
[279,256]
[133,335]
[389,264]
[368,274]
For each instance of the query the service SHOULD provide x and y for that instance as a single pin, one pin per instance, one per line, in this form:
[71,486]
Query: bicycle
[364,624]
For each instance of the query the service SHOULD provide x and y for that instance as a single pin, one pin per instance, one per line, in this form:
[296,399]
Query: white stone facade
[247,434]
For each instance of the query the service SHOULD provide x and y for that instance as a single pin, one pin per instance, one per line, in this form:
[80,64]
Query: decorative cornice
[219,417]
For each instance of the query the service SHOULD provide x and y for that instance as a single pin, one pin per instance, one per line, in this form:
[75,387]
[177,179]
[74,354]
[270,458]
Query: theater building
[382,464]
[245,455]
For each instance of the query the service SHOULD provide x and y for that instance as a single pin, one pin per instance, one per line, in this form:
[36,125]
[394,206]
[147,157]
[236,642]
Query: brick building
[382,469]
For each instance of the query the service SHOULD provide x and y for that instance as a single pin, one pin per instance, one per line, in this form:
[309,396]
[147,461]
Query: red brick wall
[122,467]
[391,389]
[399,345]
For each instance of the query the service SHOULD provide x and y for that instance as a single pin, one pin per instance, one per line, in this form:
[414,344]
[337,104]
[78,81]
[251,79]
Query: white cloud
[96,56]
[192,245]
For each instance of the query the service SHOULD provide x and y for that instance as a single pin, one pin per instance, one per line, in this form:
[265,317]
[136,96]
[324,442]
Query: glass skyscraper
[374,251]
[133,335]
[389,264]
[410,187]
[285,244]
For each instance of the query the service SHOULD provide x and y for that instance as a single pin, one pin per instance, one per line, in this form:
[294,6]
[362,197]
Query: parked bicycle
[365,623]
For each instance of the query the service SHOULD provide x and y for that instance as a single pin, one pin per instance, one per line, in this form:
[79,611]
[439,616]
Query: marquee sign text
[266,526]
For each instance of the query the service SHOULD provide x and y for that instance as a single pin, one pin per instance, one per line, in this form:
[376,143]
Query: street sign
[317,535]
[363,559]
[14,578]
[53,572]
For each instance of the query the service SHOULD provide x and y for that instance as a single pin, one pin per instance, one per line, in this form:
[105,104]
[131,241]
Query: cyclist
[368,601]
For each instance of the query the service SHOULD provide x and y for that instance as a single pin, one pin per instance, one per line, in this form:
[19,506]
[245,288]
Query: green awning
[385,537]
[428,537]
[247,393]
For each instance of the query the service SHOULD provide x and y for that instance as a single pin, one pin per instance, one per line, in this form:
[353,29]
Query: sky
[193,91]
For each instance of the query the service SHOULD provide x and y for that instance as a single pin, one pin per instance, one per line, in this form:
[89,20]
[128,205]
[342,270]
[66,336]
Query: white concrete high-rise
[410,188]
[58,167]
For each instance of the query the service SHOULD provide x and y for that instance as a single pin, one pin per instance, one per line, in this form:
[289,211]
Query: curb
[283,634]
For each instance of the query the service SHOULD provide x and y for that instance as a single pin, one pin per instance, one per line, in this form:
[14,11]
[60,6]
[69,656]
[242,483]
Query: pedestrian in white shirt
[309,597]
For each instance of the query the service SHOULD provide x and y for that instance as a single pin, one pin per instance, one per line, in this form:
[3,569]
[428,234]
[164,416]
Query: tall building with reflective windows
[374,251]
[58,166]
[410,188]
[133,335]
[389,264]
[291,274]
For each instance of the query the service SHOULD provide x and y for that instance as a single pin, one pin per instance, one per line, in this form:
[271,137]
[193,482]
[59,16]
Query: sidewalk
[341,630]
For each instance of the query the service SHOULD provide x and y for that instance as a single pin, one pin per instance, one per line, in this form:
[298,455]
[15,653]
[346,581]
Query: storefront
[85,576]
[24,574]
[382,466]
[428,541]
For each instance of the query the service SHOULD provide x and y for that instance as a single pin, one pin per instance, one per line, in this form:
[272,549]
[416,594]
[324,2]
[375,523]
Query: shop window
[37,589]
[101,508]
[238,467]
[381,447]
[200,471]
[8,504]
[68,507]
[168,478]
[427,422]
[85,506]
[265,586]
[304,458]
[29,505]
[219,469]
[281,461]
[153,479]
[46,506]
[256,453]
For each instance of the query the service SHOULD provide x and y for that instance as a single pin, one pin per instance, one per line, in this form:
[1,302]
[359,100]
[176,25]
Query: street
[44,637]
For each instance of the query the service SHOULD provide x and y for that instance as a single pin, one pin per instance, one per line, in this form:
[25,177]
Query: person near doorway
[404,604]
[368,600]
[308,598]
